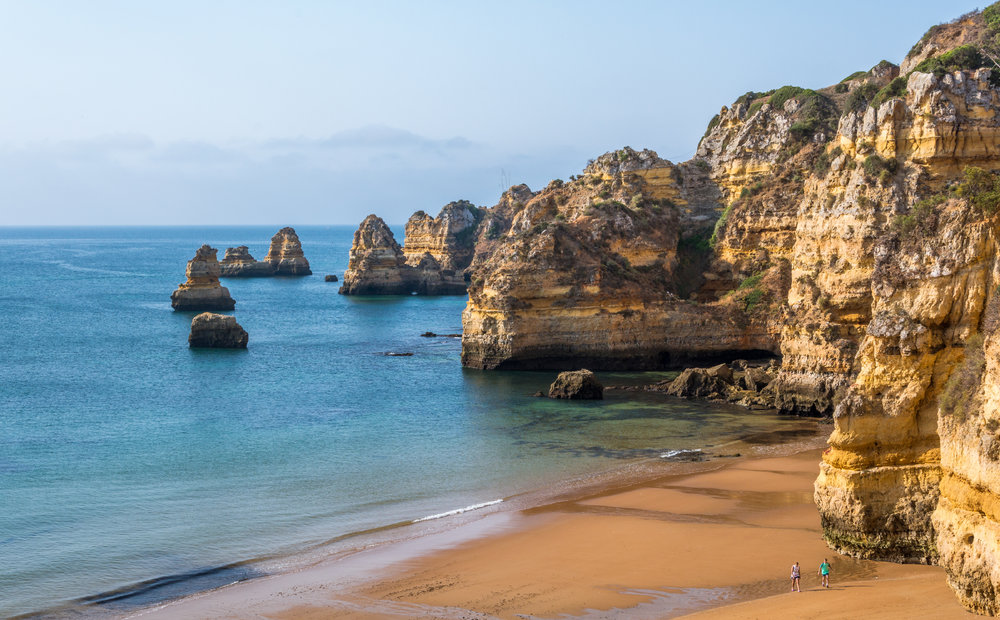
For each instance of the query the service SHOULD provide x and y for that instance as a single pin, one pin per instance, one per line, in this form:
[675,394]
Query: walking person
[824,571]
[795,577]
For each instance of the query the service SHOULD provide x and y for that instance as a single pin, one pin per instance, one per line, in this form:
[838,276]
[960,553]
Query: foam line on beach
[670,454]
[458,511]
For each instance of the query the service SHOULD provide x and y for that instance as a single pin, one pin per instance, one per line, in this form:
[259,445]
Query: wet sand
[721,541]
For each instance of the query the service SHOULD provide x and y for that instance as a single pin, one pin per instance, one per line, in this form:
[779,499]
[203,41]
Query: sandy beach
[710,544]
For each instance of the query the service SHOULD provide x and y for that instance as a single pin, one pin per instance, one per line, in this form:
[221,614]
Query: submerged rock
[239,263]
[202,291]
[285,254]
[219,331]
[577,385]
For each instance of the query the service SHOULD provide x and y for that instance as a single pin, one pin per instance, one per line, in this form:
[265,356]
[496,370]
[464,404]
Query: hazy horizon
[320,113]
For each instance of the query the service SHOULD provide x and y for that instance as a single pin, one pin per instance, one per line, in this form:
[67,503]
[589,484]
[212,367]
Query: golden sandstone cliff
[284,258]
[850,231]
[434,260]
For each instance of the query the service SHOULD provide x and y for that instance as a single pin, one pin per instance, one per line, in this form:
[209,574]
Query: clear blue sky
[296,112]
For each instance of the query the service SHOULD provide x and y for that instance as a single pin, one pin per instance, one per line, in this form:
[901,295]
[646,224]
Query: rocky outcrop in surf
[239,263]
[285,254]
[433,261]
[202,291]
[217,331]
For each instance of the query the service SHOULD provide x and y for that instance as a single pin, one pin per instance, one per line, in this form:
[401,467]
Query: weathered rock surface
[239,263]
[285,254]
[433,261]
[852,230]
[377,265]
[217,331]
[331,278]
[577,385]
[202,291]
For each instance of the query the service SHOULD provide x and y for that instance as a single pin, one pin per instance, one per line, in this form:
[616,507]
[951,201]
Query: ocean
[133,468]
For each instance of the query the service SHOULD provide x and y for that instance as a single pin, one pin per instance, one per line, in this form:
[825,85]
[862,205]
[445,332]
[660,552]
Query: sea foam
[458,511]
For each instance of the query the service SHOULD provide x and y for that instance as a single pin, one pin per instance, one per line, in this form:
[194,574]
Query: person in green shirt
[824,571]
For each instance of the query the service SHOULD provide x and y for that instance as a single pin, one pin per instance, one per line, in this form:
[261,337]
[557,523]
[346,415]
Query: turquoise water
[126,457]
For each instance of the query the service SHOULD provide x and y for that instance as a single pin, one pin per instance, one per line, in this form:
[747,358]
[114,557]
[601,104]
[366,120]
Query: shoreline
[349,562]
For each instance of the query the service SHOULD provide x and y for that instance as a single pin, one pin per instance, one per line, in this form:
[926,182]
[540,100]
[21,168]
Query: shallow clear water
[125,456]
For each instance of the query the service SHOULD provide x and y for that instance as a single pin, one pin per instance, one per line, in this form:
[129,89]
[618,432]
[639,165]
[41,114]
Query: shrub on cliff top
[962,58]
[895,88]
[783,94]
[860,96]
[854,76]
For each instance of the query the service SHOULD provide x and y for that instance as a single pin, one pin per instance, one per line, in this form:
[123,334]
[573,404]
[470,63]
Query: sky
[307,112]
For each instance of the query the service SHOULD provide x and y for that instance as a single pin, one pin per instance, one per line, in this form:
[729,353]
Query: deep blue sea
[126,457]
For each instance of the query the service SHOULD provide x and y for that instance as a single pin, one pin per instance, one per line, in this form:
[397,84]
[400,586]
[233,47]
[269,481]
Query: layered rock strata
[433,261]
[239,263]
[285,254]
[202,291]
[217,331]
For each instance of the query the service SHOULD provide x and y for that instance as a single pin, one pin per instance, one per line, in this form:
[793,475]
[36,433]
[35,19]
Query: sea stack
[217,331]
[239,263]
[377,265]
[202,290]
[285,255]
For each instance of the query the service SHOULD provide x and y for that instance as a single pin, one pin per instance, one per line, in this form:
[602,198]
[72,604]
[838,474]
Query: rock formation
[202,291]
[433,261]
[377,265]
[331,278]
[576,385]
[851,230]
[285,254]
[217,331]
[238,263]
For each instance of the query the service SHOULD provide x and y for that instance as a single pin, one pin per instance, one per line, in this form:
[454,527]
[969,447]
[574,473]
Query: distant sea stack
[434,259]
[285,255]
[217,331]
[239,263]
[202,290]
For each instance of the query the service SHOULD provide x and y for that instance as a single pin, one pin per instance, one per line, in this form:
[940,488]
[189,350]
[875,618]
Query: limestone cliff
[586,272]
[852,230]
[202,291]
[285,254]
[434,260]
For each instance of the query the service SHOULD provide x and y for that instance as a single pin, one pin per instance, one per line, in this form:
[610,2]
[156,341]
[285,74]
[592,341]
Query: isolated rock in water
[217,331]
[429,335]
[202,290]
[698,383]
[331,278]
[238,263]
[577,385]
[377,265]
[285,254]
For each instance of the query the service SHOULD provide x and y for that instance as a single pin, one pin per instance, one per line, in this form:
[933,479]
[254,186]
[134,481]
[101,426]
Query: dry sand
[721,540]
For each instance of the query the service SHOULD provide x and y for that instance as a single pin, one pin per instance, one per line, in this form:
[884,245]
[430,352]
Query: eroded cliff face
[586,274]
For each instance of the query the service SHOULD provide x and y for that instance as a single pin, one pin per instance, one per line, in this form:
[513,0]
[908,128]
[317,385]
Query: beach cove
[142,470]
[714,542]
